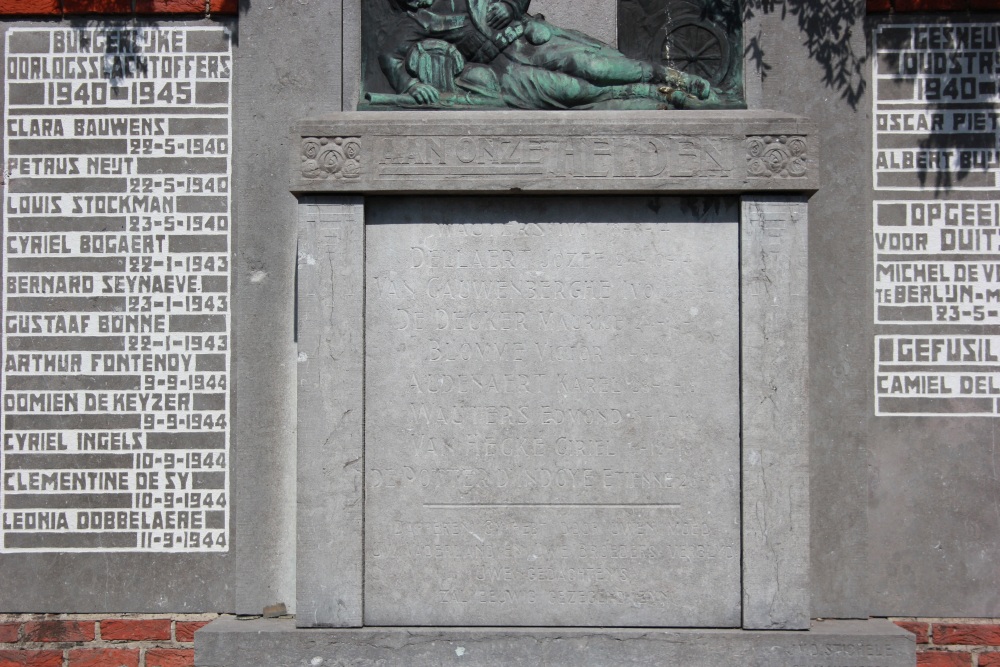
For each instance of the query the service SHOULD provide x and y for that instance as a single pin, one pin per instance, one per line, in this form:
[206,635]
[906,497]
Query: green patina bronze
[474,54]
[702,37]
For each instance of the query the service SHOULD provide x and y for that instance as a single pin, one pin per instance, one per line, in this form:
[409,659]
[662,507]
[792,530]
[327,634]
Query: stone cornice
[555,152]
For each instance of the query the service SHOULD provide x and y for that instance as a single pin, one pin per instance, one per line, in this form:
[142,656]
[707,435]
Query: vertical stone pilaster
[775,357]
[330,314]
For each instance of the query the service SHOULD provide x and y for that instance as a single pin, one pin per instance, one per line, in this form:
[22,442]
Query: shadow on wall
[828,28]
[117,76]
[958,139]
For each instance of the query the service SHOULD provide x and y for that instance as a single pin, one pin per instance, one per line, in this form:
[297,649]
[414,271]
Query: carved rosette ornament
[776,157]
[331,158]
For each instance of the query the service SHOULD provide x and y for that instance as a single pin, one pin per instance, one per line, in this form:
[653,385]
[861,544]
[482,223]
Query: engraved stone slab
[552,420]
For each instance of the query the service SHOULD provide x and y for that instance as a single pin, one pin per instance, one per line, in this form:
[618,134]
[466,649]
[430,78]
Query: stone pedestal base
[278,643]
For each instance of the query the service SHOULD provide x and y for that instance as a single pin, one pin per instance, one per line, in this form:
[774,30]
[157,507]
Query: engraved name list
[116,288]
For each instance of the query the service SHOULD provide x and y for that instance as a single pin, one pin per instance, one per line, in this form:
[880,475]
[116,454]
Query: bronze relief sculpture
[438,54]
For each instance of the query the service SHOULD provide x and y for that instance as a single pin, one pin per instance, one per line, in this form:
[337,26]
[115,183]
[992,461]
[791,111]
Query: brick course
[31,658]
[170,6]
[31,7]
[980,634]
[104,657]
[920,630]
[9,632]
[903,6]
[224,6]
[930,5]
[122,629]
[943,659]
[168,657]
[955,642]
[47,8]
[59,631]
[76,640]
[97,6]
[185,630]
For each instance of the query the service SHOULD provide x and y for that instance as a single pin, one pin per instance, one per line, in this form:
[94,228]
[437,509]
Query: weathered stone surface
[790,54]
[330,381]
[269,89]
[950,544]
[350,55]
[231,643]
[552,394]
[775,406]
[593,151]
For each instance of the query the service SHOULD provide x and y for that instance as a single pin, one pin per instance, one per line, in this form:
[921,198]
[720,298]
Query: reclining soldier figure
[521,61]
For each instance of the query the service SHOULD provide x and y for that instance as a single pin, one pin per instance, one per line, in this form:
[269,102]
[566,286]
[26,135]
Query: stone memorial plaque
[116,329]
[552,412]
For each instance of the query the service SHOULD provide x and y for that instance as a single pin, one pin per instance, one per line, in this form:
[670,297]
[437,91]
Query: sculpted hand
[424,94]
[697,86]
[499,16]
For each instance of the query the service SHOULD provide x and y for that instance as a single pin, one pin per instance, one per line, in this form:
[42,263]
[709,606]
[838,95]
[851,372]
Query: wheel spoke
[709,44]
[681,44]
[695,49]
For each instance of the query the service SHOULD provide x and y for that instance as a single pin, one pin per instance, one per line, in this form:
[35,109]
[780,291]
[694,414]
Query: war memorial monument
[497,332]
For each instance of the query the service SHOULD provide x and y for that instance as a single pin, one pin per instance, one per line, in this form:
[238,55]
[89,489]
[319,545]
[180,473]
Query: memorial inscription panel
[935,219]
[552,412]
[116,328]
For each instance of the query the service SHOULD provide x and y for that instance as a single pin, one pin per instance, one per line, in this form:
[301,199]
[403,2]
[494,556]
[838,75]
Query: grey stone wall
[933,492]
[116,480]
[903,508]
[287,65]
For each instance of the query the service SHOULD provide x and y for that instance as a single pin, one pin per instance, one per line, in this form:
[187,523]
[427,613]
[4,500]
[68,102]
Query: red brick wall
[95,640]
[955,642]
[52,8]
[882,6]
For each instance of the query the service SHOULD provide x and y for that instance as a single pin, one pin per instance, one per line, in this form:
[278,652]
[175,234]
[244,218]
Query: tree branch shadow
[947,151]
[828,28]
